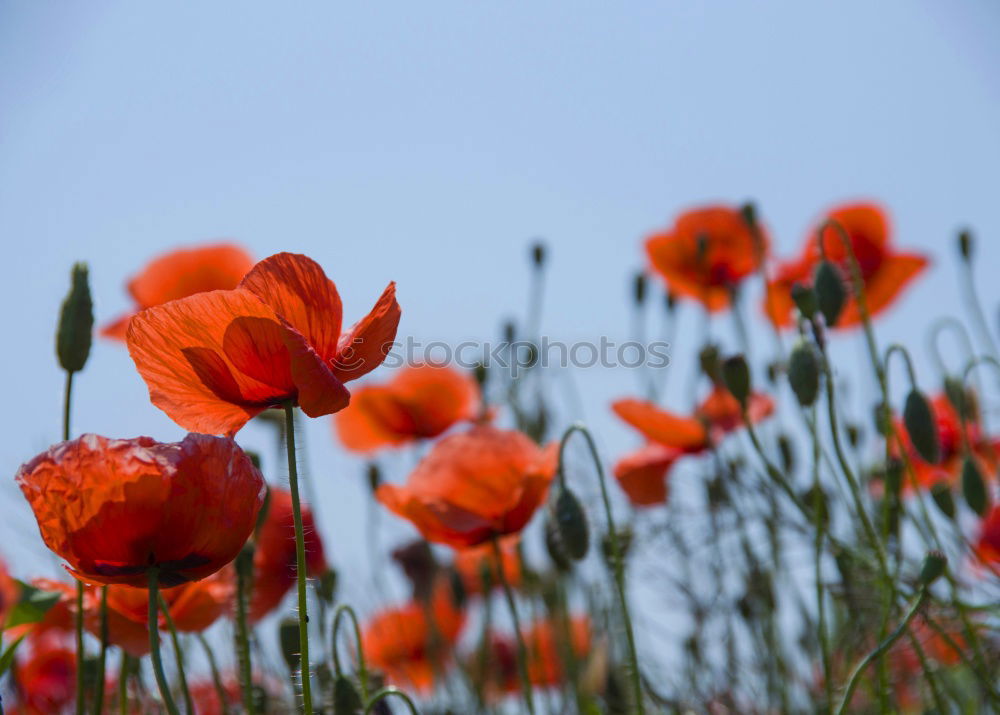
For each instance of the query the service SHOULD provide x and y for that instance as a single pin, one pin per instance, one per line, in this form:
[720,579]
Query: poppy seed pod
[973,487]
[941,495]
[965,245]
[288,637]
[76,322]
[571,524]
[639,284]
[934,565]
[918,417]
[803,373]
[346,700]
[736,375]
[805,300]
[830,293]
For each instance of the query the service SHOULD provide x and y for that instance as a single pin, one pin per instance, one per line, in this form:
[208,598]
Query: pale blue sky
[427,142]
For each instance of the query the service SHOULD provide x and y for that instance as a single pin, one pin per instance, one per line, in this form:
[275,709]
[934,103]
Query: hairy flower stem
[244,572]
[522,650]
[78,617]
[618,563]
[300,559]
[154,642]
[178,656]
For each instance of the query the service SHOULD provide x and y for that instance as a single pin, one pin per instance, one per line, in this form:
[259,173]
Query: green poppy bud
[736,376]
[934,565]
[288,637]
[918,417]
[749,213]
[571,524]
[708,359]
[941,494]
[973,487]
[554,547]
[538,254]
[830,292]
[326,586]
[639,288]
[76,322]
[803,373]
[965,245]
[805,300]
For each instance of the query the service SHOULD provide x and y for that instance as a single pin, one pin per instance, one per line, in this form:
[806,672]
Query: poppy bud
[803,373]
[346,700]
[882,417]
[933,568]
[288,637]
[787,453]
[736,375]
[749,213]
[965,244]
[918,417]
[326,586]
[639,288]
[538,254]
[893,477]
[805,300]
[571,524]
[973,487]
[830,293]
[554,547]
[941,495]
[76,322]
[708,358]
[960,398]
[374,475]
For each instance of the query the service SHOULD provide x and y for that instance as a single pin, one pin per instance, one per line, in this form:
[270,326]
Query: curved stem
[300,559]
[522,650]
[933,339]
[391,692]
[362,670]
[154,642]
[244,569]
[616,555]
[852,684]
[220,689]
[178,656]
[102,660]
[905,354]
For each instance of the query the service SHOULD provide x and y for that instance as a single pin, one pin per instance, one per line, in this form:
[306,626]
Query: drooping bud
[803,373]
[554,547]
[973,487]
[965,245]
[639,288]
[805,300]
[918,417]
[708,359]
[346,700]
[76,322]
[288,637]
[736,376]
[538,252]
[934,565]
[830,293]
[960,398]
[571,524]
[941,494]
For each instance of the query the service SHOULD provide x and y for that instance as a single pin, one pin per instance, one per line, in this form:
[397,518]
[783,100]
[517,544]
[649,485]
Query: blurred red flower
[547,647]
[988,545]
[642,474]
[419,402]
[214,360]
[706,254]
[113,508]
[45,680]
[884,270]
[181,273]
[471,564]
[474,486]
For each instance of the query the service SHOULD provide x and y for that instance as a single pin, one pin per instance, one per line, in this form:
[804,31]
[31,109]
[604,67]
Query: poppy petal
[363,348]
[188,271]
[894,274]
[661,426]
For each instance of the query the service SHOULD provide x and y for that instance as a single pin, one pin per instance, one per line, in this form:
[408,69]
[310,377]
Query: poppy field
[808,555]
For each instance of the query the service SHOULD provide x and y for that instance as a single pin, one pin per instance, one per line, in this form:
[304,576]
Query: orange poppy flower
[884,270]
[113,508]
[10,593]
[419,402]
[706,254]
[274,556]
[544,642]
[179,274]
[45,681]
[642,474]
[473,486]
[988,545]
[407,645]
[471,563]
[214,360]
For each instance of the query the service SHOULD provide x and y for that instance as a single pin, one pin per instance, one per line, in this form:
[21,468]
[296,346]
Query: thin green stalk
[616,555]
[154,642]
[362,669]
[178,656]
[244,568]
[824,638]
[300,559]
[78,619]
[388,692]
[522,650]
[102,659]
[123,675]
[852,684]
[220,689]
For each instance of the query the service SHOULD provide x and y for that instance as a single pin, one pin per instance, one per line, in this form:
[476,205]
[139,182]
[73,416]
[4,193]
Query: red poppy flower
[181,273]
[113,508]
[274,556]
[642,474]
[407,645]
[214,360]
[45,681]
[988,545]
[419,402]
[707,253]
[10,593]
[473,486]
[471,563]
[545,663]
[884,270]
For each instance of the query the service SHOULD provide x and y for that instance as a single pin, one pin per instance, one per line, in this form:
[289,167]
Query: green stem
[123,675]
[154,642]
[102,660]
[300,559]
[852,684]
[616,555]
[78,620]
[178,656]
[220,689]
[522,650]
[244,568]
[824,638]
[362,669]
[391,692]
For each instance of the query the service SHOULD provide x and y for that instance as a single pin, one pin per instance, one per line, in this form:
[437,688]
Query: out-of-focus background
[429,143]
